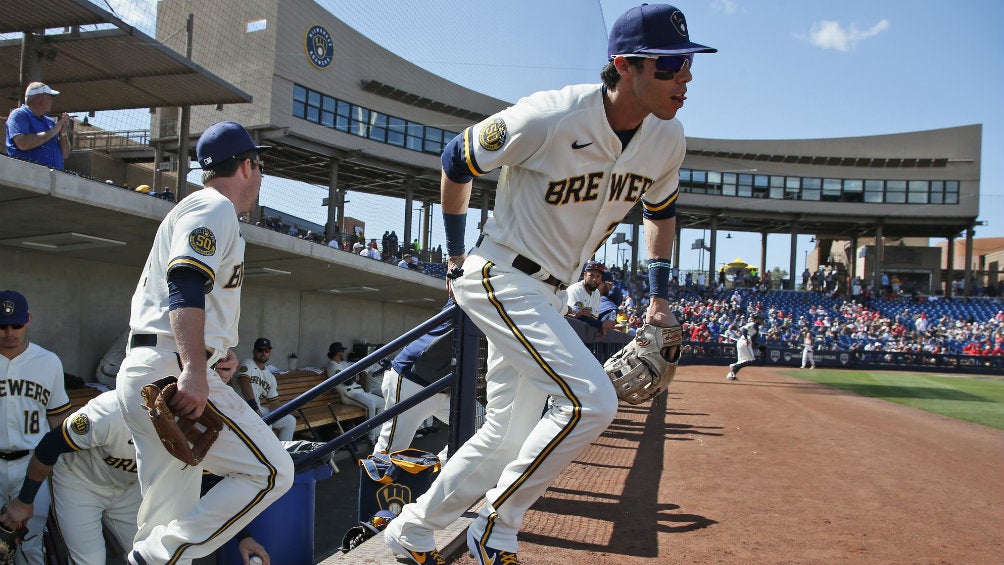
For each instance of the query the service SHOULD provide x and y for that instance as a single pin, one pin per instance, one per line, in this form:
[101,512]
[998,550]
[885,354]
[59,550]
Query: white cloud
[728,7]
[829,34]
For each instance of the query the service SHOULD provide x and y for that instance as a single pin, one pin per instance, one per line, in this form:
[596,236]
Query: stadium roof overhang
[113,68]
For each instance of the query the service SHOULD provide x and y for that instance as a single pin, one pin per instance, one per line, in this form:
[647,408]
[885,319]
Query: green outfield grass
[970,398]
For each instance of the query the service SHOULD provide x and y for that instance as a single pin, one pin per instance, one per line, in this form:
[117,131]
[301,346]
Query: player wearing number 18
[32,400]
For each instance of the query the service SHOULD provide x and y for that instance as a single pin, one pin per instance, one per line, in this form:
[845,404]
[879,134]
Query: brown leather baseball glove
[187,440]
[9,540]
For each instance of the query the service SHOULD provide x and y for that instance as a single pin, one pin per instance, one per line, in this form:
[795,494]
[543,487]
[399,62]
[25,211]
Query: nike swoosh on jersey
[575,144]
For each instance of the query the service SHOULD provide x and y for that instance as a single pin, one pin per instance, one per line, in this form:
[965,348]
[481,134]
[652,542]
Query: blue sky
[786,69]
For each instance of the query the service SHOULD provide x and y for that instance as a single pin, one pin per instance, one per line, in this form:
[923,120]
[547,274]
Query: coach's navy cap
[262,343]
[223,141]
[594,266]
[608,276]
[334,348]
[13,307]
[653,29]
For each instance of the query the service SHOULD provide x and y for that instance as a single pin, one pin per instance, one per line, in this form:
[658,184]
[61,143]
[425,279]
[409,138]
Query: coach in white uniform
[574,162]
[32,400]
[184,320]
[257,385]
[583,297]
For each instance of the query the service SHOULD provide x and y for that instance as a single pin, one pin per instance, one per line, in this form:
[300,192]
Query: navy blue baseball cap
[653,29]
[223,141]
[262,343]
[13,307]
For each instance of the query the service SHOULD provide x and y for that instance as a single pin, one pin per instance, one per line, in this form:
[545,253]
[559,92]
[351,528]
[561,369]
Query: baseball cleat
[485,555]
[731,376]
[418,557]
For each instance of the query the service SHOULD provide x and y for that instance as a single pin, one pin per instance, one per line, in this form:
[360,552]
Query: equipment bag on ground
[388,481]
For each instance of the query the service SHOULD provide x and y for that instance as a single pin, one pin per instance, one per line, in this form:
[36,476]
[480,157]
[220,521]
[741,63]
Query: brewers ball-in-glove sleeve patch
[645,366]
[187,440]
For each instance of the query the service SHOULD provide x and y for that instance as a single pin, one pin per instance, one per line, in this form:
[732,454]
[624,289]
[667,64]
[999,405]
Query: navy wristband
[29,489]
[658,277]
[456,228]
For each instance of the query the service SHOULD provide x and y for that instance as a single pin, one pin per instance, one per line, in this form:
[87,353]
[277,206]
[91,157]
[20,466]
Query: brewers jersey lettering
[556,206]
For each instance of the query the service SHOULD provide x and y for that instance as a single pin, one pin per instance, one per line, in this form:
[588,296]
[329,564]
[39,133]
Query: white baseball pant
[81,507]
[32,549]
[512,459]
[175,524]
[398,432]
[284,427]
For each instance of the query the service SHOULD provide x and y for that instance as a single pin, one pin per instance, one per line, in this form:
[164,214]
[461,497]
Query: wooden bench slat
[317,412]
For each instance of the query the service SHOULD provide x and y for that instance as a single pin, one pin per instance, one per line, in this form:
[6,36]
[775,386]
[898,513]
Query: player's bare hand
[658,313]
[16,514]
[227,366]
[607,326]
[454,270]
[248,547]
[193,393]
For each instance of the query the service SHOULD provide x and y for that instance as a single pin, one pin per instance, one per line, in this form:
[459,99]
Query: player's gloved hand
[454,270]
[658,314]
[16,514]
[248,547]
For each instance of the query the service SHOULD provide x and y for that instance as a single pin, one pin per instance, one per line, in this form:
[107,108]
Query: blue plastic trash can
[286,528]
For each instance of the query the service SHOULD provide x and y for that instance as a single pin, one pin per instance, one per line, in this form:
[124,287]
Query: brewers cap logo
[679,23]
[202,241]
[80,424]
[319,46]
[7,307]
[493,134]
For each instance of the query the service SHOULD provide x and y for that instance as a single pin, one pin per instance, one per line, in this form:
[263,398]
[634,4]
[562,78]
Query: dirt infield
[774,470]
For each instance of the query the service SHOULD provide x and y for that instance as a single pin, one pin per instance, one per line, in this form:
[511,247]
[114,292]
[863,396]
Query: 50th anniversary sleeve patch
[202,241]
[493,134]
[80,424]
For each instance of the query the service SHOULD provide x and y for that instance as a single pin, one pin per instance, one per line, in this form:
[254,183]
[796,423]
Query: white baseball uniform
[808,349]
[567,180]
[578,298]
[31,390]
[353,393]
[97,482]
[265,389]
[175,525]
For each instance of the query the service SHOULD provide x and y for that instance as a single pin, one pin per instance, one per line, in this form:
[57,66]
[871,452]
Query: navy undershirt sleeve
[187,289]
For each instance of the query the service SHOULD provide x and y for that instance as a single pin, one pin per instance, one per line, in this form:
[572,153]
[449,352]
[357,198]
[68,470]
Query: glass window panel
[343,108]
[793,182]
[853,185]
[776,181]
[299,93]
[873,196]
[700,176]
[314,98]
[874,185]
[299,109]
[745,190]
[685,174]
[728,189]
[760,181]
[413,139]
[745,179]
[895,197]
[313,114]
[895,186]
[812,183]
[714,177]
[729,178]
[918,186]
[810,194]
[328,104]
[831,184]
[917,198]
[951,198]
[937,198]
[937,186]
[777,192]
[341,122]
[952,186]
[328,119]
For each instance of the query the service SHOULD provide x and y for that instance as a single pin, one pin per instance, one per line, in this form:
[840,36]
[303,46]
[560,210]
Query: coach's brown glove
[644,367]
[9,540]
[188,440]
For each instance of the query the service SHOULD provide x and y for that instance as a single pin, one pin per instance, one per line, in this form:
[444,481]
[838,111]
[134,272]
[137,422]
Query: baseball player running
[32,401]
[574,162]
[184,320]
[257,385]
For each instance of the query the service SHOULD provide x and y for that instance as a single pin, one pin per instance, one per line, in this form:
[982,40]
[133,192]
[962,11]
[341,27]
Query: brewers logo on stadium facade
[492,136]
[202,241]
[80,424]
[320,48]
